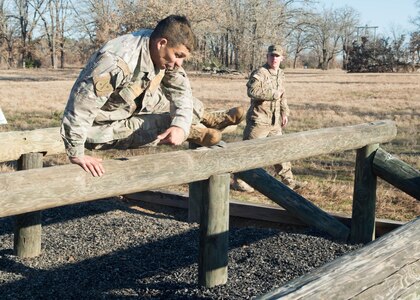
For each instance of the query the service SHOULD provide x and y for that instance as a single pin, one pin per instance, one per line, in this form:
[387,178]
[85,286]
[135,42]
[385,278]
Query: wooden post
[27,231]
[364,197]
[195,195]
[214,231]
[397,173]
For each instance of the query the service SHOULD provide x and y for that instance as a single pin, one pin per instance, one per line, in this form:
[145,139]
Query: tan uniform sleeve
[90,92]
[259,87]
[177,90]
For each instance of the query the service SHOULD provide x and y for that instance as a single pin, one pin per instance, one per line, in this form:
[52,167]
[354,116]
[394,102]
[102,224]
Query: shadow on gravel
[150,270]
[71,212]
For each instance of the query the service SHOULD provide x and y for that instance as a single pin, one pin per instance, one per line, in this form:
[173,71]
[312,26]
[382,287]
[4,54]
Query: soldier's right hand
[277,94]
[89,164]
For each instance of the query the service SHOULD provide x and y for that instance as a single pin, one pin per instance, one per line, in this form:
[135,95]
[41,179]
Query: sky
[386,14]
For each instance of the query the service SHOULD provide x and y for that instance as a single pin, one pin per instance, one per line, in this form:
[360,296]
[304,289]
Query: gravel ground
[109,250]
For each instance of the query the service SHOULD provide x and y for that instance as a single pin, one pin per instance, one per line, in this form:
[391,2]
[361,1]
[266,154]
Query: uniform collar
[146,63]
[271,71]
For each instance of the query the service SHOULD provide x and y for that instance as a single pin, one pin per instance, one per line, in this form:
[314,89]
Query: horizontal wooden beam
[249,210]
[397,173]
[15,143]
[33,190]
[388,267]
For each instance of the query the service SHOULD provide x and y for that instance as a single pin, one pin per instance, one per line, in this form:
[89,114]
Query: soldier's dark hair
[177,30]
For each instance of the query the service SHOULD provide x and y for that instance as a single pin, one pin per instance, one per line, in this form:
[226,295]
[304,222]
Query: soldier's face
[274,60]
[170,57]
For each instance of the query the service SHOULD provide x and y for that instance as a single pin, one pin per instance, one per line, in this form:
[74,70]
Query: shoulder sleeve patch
[102,84]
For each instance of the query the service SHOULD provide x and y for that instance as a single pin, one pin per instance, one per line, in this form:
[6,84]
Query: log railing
[38,189]
[67,184]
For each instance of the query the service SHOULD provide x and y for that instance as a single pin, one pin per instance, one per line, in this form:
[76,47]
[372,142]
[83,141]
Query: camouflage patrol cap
[275,49]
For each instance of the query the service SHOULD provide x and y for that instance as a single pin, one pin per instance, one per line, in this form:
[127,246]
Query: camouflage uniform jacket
[108,90]
[264,88]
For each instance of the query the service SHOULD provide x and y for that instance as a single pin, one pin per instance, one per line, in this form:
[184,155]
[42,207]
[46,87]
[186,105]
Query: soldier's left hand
[172,136]
[284,121]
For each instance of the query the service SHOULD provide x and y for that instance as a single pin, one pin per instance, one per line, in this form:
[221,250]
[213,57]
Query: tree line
[231,34]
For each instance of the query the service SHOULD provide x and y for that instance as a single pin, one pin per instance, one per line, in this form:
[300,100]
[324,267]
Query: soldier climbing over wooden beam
[134,92]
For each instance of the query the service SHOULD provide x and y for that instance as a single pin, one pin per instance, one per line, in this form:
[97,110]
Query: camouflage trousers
[140,129]
[256,131]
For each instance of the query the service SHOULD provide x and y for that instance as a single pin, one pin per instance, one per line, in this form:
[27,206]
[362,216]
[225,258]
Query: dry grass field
[318,99]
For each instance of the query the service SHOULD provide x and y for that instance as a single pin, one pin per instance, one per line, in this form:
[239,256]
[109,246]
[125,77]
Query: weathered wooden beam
[364,197]
[294,203]
[27,227]
[15,143]
[63,185]
[254,211]
[397,173]
[196,195]
[388,268]
[214,231]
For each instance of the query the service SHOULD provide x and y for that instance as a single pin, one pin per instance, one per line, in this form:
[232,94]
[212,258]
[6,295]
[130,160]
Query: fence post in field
[194,195]
[364,196]
[214,231]
[27,228]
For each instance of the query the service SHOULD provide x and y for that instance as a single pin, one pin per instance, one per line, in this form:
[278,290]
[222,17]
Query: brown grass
[318,99]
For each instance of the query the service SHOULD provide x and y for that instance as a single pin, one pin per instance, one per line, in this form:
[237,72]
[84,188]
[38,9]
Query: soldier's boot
[204,136]
[222,119]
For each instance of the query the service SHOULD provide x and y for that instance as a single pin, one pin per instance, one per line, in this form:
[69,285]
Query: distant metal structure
[366,29]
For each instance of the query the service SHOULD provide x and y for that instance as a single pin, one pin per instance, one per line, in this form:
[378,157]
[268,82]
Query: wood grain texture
[387,268]
[397,173]
[214,231]
[364,197]
[294,203]
[195,191]
[27,227]
[15,143]
[33,190]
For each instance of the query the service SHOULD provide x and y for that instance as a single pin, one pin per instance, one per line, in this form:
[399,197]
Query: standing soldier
[269,111]
[134,92]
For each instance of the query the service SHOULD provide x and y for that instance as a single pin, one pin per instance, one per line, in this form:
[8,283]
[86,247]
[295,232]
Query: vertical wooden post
[195,197]
[214,231]
[364,196]
[27,230]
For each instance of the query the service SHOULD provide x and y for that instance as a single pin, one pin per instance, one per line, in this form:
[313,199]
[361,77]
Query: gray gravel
[107,250]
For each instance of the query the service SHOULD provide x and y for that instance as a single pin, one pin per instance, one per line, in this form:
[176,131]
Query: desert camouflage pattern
[268,104]
[120,98]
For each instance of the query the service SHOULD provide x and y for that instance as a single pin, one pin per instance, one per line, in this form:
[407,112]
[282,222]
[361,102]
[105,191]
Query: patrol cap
[275,49]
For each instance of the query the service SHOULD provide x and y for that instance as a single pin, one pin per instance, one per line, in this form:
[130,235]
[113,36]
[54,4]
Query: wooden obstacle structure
[388,268]
[208,170]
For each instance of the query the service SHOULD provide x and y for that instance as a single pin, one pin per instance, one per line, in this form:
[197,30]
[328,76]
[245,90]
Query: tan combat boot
[222,119]
[204,136]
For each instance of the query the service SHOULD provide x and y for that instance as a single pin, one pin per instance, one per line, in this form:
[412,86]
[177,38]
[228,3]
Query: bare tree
[54,17]
[27,16]
[331,30]
[97,19]
[298,41]
[6,36]
[416,20]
